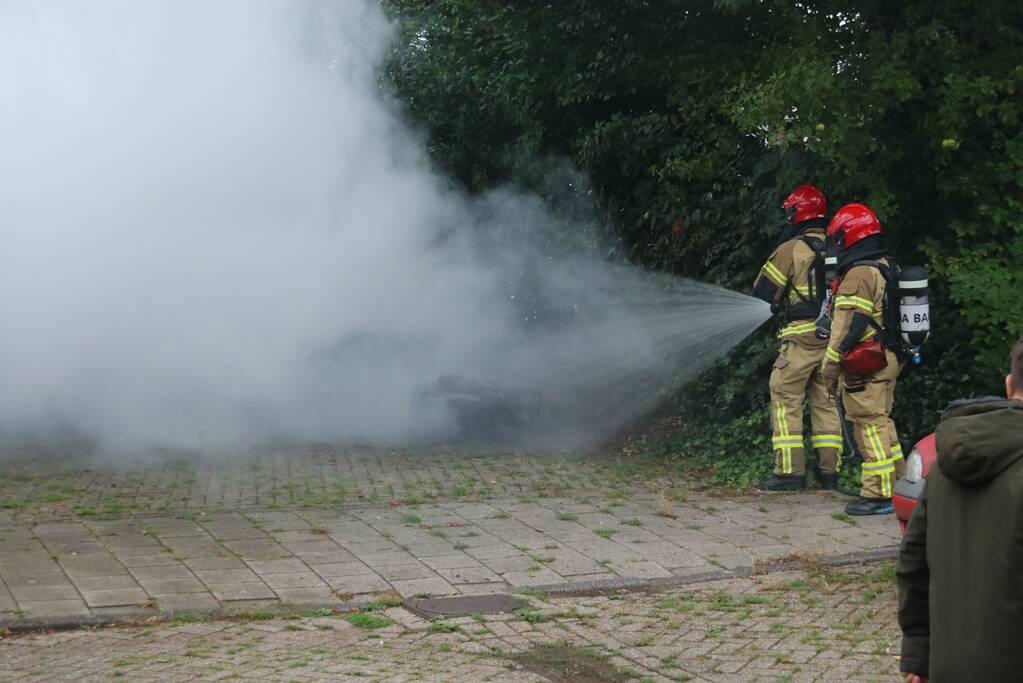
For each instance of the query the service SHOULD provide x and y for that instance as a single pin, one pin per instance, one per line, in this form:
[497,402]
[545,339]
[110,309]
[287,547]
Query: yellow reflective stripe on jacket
[832,354]
[799,292]
[847,301]
[797,328]
[774,274]
[790,441]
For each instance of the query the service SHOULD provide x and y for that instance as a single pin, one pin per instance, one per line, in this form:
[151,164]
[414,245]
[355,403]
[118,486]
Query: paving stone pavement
[472,524]
[805,625]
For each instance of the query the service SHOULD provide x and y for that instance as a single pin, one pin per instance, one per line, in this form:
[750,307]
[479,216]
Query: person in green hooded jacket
[960,567]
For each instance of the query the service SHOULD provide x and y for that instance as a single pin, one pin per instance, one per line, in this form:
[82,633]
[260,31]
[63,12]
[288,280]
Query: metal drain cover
[464,605]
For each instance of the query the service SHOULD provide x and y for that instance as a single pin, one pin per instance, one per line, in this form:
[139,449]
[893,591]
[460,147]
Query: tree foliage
[693,119]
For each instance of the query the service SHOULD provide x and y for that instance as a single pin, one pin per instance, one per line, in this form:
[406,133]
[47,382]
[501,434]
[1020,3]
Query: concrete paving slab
[241,591]
[55,609]
[119,597]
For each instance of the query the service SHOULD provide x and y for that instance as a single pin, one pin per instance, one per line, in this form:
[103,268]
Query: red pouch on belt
[866,358]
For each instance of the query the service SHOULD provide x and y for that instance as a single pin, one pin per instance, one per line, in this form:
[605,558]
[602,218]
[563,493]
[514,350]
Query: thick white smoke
[215,229]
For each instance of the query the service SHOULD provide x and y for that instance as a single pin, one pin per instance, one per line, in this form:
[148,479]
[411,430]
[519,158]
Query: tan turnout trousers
[797,371]
[868,405]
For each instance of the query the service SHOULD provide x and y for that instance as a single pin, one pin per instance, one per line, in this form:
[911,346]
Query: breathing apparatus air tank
[914,310]
[822,325]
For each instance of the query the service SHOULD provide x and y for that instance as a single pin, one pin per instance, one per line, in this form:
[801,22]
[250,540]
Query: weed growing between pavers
[843,517]
[186,618]
[441,626]
[532,616]
[382,602]
[368,620]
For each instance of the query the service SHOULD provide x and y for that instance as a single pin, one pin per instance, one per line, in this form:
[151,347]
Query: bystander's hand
[913,678]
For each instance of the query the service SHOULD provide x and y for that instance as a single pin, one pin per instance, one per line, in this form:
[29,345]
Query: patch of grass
[114,506]
[757,600]
[532,617]
[54,498]
[501,514]
[186,618]
[842,517]
[436,627]
[13,504]
[632,522]
[605,533]
[382,602]
[883,574]
[411,518]
[257,615]
[368,620]
[341,490]
[568,516]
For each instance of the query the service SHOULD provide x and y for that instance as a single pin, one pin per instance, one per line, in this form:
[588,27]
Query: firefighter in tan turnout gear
[793,281]
[861,356]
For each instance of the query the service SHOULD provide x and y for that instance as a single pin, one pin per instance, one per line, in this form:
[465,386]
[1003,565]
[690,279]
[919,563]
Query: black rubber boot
[870,506]
[783,482]
[828,482]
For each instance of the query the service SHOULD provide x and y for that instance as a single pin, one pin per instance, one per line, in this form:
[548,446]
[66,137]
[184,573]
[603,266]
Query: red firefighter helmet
[852,223]
[804,203]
